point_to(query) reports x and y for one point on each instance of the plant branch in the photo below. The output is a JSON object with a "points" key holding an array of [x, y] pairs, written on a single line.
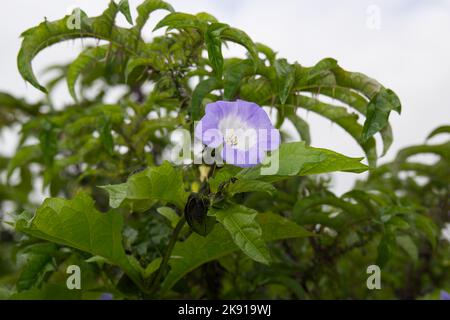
{"points": [[168, 253]]}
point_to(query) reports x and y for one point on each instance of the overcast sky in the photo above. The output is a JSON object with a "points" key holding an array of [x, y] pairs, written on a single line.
{"points": [[403, 44]]}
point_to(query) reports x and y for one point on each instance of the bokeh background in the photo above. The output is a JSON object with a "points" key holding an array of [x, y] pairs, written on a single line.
{"points": [[403, 44]]}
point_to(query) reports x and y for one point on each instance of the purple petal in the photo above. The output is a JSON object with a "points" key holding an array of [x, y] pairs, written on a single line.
{"points": [[445, 295], [106, 296], [206, 131]]}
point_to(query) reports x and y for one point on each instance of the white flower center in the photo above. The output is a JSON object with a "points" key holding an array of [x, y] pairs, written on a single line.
{"points": [[237, 133]]}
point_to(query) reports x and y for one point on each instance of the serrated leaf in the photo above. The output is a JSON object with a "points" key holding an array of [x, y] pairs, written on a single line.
{"points": [[77, 223], [84, 60], [246, 233], [285, 78], [146, 8], [197, 250], [378, 111], [340, 116], [47, 33], [163, 183]]}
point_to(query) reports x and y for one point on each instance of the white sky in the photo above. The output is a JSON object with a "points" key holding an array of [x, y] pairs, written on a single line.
{"points": [[408, 53]]}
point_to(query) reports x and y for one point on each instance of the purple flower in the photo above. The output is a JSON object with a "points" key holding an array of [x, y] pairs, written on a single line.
{"points": [[445, 295], [106, 296], [241, 130]]}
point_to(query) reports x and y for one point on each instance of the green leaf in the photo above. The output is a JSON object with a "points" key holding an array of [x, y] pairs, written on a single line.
{"points": [[146, 8], [124, 8], [151, 268], [200, 92], [163, 183], [134, 63], [428, 228], [106, 137], [47, 33], [340, 116], [246, 233], [76, 223], [439, 130], [49, 143], [302, 127], [214, 47], [387, 137], [24, 156], [197, 250], [49, 291], [233, 75], [378, 110], [170, 215], [241, 186], [285, 78], [178, 20], [407, 244], [295, 158], [86, 59], [33, 271], [267, 51], [385, 249], [240, 37], [305, 211]]}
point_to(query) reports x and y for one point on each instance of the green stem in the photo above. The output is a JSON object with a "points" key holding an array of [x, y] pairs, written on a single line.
{"points": [[167, 255]]}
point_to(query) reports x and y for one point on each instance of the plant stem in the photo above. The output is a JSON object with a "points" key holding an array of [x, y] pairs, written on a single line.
{"points": [[167, 254]]}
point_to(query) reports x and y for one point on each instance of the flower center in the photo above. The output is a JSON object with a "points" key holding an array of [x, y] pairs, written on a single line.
{"points": [[231, 138], [237, 133]]}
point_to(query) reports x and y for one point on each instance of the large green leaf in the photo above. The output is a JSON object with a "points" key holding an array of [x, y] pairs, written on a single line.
{"points": [[340, 115], [197, 250], [86, 58], [163, 183], [246, 233], [356, 90], [77, 223], [295, 158], [47, 33]]}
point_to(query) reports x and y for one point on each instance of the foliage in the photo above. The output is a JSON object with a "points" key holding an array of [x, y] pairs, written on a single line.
{"points": [[118, 208]]}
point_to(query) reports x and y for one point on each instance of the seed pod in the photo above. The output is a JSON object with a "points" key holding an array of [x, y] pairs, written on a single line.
{"points": [[196, 213]]}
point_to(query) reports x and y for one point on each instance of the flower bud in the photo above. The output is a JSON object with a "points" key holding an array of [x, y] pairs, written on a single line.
{"points": [[196, 213]]}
